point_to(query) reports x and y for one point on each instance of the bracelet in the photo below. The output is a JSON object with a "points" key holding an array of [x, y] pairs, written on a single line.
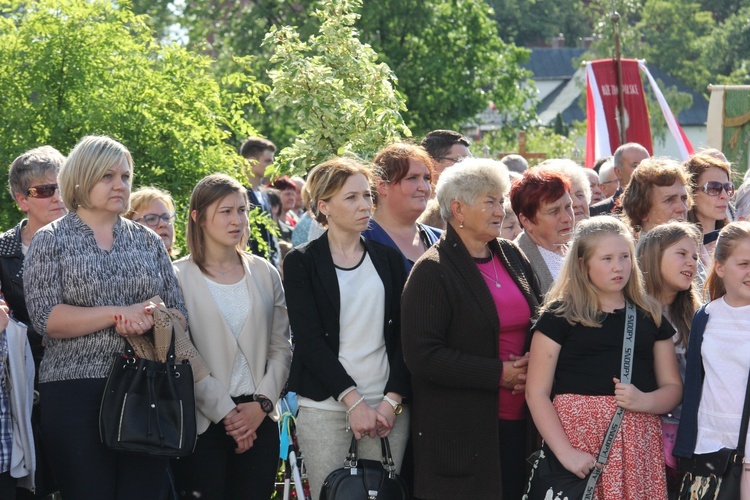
{"points": [[349, 411]]}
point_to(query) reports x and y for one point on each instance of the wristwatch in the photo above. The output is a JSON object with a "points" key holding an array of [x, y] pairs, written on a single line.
{"points": [[397, 407], [265, 404]]}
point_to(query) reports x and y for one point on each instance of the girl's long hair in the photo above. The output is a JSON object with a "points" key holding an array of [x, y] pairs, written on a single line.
{"points": [[729, 237], [650, 250], [574, 297]]}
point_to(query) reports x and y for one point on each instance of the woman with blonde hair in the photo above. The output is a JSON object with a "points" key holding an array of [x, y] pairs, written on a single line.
{"points": [[154, 208], [577, 351], [239, 324], [89, 280], [344, 296]]}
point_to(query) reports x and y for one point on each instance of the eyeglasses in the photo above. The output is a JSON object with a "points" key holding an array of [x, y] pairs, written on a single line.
{"points": [[607, 182], [42, 191], [713, 188], [153, 219], [454, 160]]}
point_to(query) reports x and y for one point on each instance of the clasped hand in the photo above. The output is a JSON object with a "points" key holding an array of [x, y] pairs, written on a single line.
{"points": [[514, 373], [242, 424], [135, 320]]}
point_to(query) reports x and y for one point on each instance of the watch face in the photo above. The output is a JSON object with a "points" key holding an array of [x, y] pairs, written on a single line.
{"points": [[266, 405], [398, 409]]}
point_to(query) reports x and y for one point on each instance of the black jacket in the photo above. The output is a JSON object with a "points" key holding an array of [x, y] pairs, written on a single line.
{"points": [[314, 304], [11, 282]]}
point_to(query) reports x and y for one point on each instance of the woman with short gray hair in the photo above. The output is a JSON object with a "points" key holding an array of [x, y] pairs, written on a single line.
{"points": [[466, 312], [33, 185]]}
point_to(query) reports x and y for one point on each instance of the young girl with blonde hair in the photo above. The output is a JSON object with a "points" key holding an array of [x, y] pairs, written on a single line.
{"points": [[578, 346], [718, 364]]}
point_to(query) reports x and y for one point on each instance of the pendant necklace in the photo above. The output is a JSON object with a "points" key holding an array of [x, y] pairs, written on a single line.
{"points": [[496, 280]]}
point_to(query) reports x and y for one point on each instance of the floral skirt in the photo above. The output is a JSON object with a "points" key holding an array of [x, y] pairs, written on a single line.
{"points": [[635, 468]]}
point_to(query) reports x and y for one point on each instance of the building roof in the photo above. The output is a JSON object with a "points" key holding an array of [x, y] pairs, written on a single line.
{"points": [[547, 64]]}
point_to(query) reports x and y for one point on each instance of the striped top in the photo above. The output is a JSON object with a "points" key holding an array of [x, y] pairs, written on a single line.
{"points": [[65, 265]]}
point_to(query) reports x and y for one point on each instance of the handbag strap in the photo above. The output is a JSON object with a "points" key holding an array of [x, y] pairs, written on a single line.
{"points": [[386, 456], [740, 455], [626, 367]]}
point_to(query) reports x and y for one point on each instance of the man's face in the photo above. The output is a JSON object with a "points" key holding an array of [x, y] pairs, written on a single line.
{"points": [[631, 158], [259, 163], [456, 153]]}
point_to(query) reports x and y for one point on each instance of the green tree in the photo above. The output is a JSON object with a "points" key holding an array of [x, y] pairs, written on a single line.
{"points": [[534, 22], [448, 59], [74, 67], [342, 99]]}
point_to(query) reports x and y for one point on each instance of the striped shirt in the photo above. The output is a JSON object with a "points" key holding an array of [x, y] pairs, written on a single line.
{"points": [[65, 265]]}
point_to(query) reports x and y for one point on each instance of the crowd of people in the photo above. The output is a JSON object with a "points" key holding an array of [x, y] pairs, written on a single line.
{"points": [[470, 310]]}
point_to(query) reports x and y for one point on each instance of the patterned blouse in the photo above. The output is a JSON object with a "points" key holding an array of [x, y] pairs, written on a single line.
{"points": [[64, 265]]}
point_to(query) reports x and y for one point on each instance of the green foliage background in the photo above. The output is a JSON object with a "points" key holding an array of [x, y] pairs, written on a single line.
{"points": [[69, 68]]}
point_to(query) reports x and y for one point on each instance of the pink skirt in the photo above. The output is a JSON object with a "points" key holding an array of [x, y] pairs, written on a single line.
{"points": [[635, 468]]}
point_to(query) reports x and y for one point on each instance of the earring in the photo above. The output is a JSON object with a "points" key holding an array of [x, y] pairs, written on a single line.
{"points": [[461, 226]]}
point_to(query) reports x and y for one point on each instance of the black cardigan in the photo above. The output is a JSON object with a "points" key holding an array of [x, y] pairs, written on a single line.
{"points": [[314, 305]]}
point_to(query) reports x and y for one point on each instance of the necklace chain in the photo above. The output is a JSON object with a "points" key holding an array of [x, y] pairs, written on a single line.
{"points": [[496, 279], [225, 272]]}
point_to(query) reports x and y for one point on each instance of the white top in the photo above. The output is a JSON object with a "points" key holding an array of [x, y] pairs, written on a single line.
{"points": [[233, 301], [553, 260], [726, 361], [361, 345]]}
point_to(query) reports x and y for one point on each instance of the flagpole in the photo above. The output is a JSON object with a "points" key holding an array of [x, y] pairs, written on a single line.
{"points": [[615, 18]]}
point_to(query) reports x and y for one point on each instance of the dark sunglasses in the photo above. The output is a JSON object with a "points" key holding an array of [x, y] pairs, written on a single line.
{"points": [[42, 191], [153, 219], [713, 188]]}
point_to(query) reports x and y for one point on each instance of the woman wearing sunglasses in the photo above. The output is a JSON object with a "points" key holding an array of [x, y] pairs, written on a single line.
{"points": [[712, 185], [154, 208], [33, 184]]}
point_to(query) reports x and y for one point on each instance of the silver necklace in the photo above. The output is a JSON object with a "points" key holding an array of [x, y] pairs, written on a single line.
{"points": [[227, 272], [496, 280]]}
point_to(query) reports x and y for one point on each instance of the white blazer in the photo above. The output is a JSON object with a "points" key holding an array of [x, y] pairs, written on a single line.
{"points": [[264, 340]]}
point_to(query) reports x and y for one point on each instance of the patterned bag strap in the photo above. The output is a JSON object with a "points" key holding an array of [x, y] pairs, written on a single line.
{"points": [[628, 348]]}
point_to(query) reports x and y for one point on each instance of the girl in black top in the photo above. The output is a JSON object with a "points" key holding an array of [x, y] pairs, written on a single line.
{"points": [[577, 348]]}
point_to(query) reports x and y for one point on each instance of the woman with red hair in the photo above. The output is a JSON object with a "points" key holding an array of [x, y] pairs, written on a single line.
{"points": [[541, 200]]}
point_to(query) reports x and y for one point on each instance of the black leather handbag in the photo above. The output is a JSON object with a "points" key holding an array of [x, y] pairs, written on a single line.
{"points": [[362, 479], [148, 406]]}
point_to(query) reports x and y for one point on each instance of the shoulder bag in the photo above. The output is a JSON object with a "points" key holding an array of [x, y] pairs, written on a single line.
{"points": [[717, 475], [548, 476], [362, 479], [148, 405]]}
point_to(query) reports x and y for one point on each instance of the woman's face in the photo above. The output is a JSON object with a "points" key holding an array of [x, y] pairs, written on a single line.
{"points": [[678, 265], [483, 220], [288, 200], [350, 209], [225, 221], [511, 226], [40, 209], [411, 194], [554, 223], [112, 192], [711, 208], [580, 203], [161, 219]]}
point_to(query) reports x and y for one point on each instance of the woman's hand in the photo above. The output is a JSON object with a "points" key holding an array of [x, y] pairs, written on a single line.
{"points": [[514, 373], [243, 444], [386, 411], [578, 462], [365, 421], [628, 396], [135, 320], [4, 318], [244, 421]]}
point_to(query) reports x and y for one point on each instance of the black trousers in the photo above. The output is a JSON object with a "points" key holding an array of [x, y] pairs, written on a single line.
{"points": [[216, 472], [513, 457], [83, 467]]}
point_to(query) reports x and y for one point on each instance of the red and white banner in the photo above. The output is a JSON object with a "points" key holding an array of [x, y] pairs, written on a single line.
{"points": [[602, 111]]}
